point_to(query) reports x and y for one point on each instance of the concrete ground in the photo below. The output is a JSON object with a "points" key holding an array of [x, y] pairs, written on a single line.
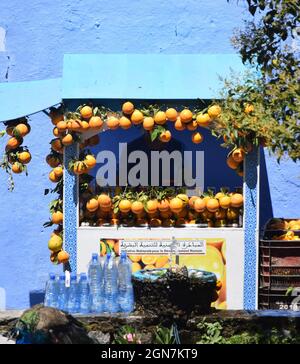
{"points": [[4, 340]]}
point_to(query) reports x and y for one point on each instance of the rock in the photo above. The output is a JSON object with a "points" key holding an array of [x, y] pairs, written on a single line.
{"points": [[99, 337]]}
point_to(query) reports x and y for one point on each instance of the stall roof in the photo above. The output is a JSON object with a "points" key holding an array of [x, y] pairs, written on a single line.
{"points": [[26, 98], [146, 76]]}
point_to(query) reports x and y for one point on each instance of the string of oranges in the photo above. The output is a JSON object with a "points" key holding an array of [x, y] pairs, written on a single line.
{"points": [[157, 209]]}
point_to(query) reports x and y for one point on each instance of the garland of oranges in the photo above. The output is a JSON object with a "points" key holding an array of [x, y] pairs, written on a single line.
{"points": [[160, 207], [16, 157]]}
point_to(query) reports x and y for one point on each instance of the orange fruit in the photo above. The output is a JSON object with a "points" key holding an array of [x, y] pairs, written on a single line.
{"points": [[53, 177], [95, 122], [199, 204], [179, 125], [55, 243], [110, 243], [184, 198], [61, 125], [92, 205], [203, 120], [214, 111], [160, 118], [148, 123], [218, 285], [212, 205], [17, 168], [104, 201], [24, 157], [163, 205], [84, 125], [249, 108], [128, 108], [125, 206], [125, 123], [161, 261], [57, 217], [231, 162], [135, 267], [216, 243], [225, 202], [74, 125], [94, 140], [165, 136], [79, 168], [10, 130], [13, 143], [197, 138], [22, 129], [182, 213], [186, 116], [149, 259], [57, 145], [112, 122], [149, 267], [151, 206], [67, 140], [219, 195], [137, 117], [58, 171], [135, 258], [90, 161], [238, 155], [137, 207], [86, 112], [237, 200], [176, 205], [56, 132], [63, 257], [171, 114], [192, 126], [192, 199]]}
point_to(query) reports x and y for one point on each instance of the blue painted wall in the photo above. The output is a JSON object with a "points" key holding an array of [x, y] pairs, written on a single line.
{"points": [[34, 36]]}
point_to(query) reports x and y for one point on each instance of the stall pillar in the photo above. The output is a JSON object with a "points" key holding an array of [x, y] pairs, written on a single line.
{"points": [[70, 207], [251, 221]]}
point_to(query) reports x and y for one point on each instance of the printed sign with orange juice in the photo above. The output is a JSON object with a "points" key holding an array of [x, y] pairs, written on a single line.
{"points": [[207, 254]]}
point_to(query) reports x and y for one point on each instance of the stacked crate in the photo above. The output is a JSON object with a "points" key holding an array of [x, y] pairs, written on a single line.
{"points": [[279, 278]]}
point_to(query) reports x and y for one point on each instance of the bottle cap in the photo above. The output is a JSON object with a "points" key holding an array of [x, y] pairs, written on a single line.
{"points": [[52, 275], [123, 254], [94, 256], [108, 255], [62, 277], [83, 276]]}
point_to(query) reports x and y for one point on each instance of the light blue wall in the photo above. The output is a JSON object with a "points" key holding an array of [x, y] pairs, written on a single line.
{"points": [[38, 33]]}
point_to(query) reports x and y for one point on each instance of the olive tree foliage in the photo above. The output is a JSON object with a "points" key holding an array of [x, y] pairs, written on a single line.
{"points": [[267, 44]]}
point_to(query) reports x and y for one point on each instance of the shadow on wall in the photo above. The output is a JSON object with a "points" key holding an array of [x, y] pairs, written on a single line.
{"points": [[265, 203], [36, 297]]}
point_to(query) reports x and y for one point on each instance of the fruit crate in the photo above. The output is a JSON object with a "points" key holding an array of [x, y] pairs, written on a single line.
{"points": [[277, 299], [279, 263]]}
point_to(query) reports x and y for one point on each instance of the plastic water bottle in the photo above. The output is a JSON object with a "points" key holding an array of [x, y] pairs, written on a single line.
{"points": [[110, 281], [51, 292], [72, 304], [62, 293], [84, 294], [95, 281], [126, 297]]}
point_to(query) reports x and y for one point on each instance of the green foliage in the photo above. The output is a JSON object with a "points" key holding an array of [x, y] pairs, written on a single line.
{"points": [[266, 43], [164, 335], [211, 333]]}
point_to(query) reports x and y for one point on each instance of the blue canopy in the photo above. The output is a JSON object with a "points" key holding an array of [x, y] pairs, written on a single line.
{"points": [[121, 76], [146, 76], [25, 98]]}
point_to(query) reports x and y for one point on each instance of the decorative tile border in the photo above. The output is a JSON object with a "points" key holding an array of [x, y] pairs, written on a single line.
{"points": [[70, 207], [251, 218]]}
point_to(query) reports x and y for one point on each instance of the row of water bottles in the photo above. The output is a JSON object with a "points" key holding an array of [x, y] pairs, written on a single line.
{"points": [[107, 288]]}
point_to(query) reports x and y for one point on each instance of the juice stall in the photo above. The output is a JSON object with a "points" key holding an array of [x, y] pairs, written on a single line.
{"points": [[188, 236]]}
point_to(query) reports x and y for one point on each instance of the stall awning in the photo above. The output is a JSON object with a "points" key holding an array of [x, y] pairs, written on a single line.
{"points": [[25, 98], [146, 76]]}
